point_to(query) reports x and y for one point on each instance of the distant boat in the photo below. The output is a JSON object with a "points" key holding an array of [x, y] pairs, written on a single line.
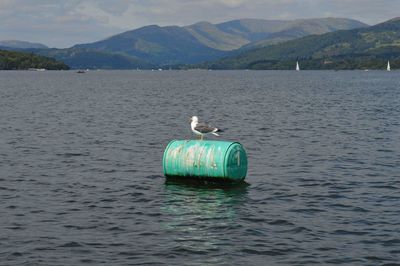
{"points": [[388, 66], [297, 66], [81, 71]]}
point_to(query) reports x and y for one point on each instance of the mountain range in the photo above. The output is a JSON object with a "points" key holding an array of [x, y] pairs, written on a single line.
{"points": [[15, 44], [154, 46], [367, 47]]}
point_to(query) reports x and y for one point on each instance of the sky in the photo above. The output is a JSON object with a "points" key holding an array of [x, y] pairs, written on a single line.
{"points": [[63, 23]]}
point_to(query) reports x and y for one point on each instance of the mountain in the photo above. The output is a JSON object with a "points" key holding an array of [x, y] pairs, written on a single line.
{"points": [[214, 37], [81, 58], [22, 45], [158, 45], [260, 32], [357, 48], [11, 60], [204, 41], [154, 46]]}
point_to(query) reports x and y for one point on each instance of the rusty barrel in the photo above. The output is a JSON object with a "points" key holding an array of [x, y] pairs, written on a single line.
{"points": [[205, 159]]}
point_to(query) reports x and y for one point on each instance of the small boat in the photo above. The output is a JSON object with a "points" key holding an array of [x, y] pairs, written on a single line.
{"points": [[297, 66], [388, 66], [81, 71]]}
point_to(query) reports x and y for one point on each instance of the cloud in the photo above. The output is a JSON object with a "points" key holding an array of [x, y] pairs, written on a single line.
{"points": [[64, 23], [54, 23], [117, 8]]}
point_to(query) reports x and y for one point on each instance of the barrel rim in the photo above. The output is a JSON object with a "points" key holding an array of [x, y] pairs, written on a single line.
{"points": [[227, 155]]}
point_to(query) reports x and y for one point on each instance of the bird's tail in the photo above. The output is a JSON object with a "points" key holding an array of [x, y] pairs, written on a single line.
{"points": [[216, 130]]}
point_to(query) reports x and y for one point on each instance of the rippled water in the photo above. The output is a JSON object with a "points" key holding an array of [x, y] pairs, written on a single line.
{"points": [[81, 178]]}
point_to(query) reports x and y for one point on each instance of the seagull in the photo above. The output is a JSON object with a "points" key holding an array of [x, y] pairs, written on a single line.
{"points": [[201, 129]]}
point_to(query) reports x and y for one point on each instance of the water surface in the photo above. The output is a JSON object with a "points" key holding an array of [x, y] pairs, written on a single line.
{"points": [[81, 177]]}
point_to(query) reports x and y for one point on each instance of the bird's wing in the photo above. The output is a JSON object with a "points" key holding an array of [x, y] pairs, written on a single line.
{"points": [[204, 128]]}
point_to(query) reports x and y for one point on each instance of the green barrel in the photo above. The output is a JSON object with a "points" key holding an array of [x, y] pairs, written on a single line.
{"points": [[205, 158]]}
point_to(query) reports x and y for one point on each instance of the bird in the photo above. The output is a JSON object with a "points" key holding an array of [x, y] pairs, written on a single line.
{"points": [[201, 129]]}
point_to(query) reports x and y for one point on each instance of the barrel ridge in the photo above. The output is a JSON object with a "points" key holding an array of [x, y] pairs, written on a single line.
{"points": [[165, 154]]}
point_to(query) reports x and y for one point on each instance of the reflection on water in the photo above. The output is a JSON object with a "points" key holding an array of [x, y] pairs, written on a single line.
{"points": [[201, 213]]}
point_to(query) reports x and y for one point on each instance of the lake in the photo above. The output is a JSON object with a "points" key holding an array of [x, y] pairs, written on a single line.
{"points": [[81, 177]]}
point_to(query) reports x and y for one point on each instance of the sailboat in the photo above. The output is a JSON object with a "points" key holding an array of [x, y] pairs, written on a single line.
{"points": [[297, 66], [388, 66]]}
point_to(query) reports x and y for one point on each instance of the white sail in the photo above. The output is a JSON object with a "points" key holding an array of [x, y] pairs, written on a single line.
{"points": [[388, 66], [297, 66]]}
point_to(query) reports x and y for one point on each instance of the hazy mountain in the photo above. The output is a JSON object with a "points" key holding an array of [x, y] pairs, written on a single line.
{"points": [[357, 48], [205, 41], [259, 32], [158, 45], [22, 44], [212, 36], [154, 46]]}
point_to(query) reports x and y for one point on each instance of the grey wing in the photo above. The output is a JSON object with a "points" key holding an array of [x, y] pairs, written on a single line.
{"points": [[204, 128]]}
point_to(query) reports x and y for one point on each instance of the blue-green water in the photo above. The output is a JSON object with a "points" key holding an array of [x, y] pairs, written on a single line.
{"points": [[81, 168]]}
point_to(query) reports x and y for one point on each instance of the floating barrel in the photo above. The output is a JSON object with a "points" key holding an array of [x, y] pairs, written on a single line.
{"points": [[205, 159]]}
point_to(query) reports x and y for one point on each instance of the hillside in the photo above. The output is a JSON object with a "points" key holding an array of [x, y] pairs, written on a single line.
{"points": [[154, 46], [205, 41], [253, 33], [81, 58], [10, 60], [347, 49], [22, 45], [158, 45]]}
